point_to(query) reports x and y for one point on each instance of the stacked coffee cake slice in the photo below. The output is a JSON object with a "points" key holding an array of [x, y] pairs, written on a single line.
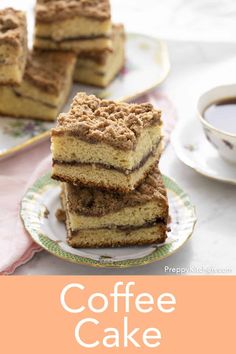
{"points": [[85, 28], [74, 40], [33, 84], [106, 154], [74, 25]]}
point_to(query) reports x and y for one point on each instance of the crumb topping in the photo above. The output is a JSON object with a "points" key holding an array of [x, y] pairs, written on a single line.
{"points": [[115, 123], [55, 10], [49, 70], [95, 202], [12, 27]]}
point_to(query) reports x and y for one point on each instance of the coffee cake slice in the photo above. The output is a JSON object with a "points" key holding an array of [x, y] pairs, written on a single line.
{"points": [[99, 68], [106, 144], [96, 218], [46, 84], [73, 25], [13, 46]]}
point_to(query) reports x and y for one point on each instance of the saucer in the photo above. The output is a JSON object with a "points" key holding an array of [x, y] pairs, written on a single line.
{"points": [[193, 149]]}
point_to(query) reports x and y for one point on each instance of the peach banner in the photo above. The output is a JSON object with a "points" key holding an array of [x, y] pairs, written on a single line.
{"points": [[145, 314]]}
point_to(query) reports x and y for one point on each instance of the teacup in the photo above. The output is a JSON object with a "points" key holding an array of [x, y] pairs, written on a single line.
{"points": [[223, 141]]}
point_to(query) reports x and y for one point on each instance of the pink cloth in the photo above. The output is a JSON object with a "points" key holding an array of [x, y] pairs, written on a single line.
{"points": [[18, 172]]}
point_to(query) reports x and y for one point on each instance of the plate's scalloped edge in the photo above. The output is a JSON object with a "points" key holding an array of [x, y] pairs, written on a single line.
{"points": [[30, 221], [166, 69]]}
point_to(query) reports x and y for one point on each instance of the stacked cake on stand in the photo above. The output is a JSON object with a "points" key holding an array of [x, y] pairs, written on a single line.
{"points": [[33, 84], [106, 155], [74, 40], [85, 28]]}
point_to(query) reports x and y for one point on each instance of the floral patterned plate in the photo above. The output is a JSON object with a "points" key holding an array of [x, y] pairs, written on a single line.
{"points": [[147, 65], [38, 208], [193, 149]]}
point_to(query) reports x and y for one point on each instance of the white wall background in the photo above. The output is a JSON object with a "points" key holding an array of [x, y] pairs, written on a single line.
{"points": [[205, 20]]}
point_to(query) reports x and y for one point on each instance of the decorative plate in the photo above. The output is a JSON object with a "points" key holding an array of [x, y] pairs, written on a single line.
{"points": [[193, 149], [147, 65], [38, 208]]}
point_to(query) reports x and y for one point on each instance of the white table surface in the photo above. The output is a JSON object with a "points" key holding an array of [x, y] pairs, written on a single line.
{"points": [[206, 59]]}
